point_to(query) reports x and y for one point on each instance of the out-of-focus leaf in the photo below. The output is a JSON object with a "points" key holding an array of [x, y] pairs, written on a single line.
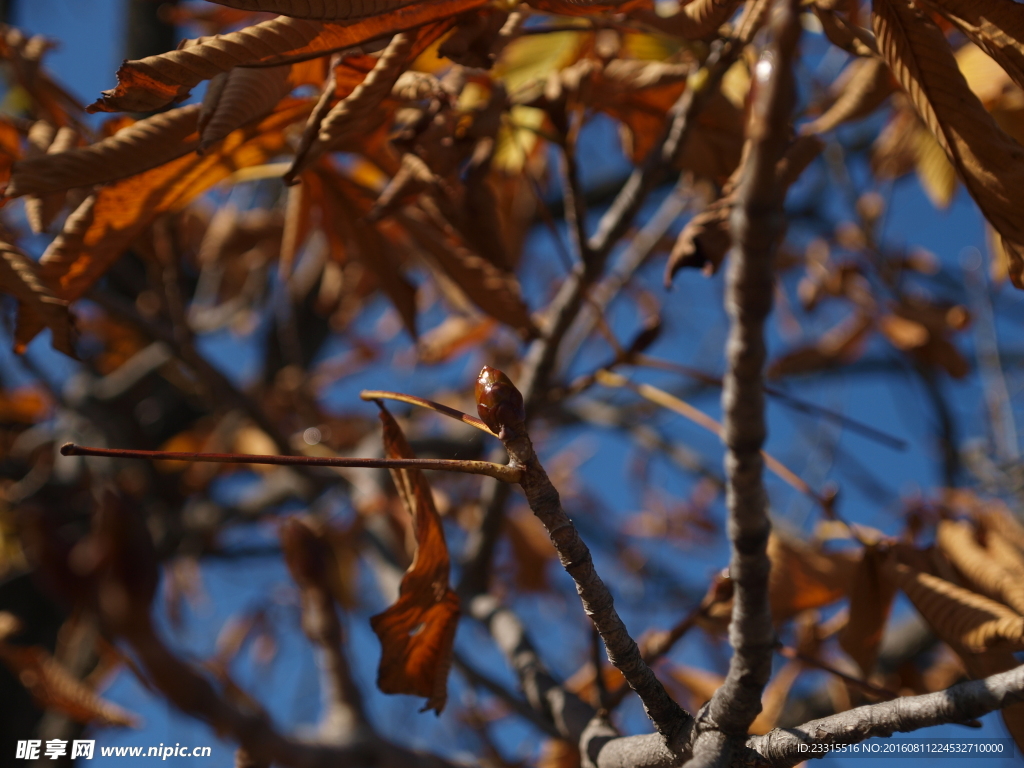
{"points": [[96, 235], [25, 405], [693, 20], [531, 551], [936, 174], [861, 88], [957, 541], [698, 684], [842, 343], [964, 619], [988, 161], [452, 337], [41, 211], [773, 701], [871, 597], [494, 290], [417, 633], [19, 276], [153, 82], [54, 688], [805, 577]]}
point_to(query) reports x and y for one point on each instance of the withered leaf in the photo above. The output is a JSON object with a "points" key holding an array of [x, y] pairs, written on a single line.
{"points": [[19, 276], [871, 597], [139, 147], [42, 210], [494, 290], [153, 82], [773, 701], [417, 633], [995, 26], [805, 577], [694, 20], [964, 619], [106, 223], [53, 687], [956, 540], [238, 96], [705, 240], [989, 162], [861, 88], [842, 343]]}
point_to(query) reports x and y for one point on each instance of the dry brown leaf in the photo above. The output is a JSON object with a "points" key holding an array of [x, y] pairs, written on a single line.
{"points": [[54, 688], [19, 276], [238, 96], [531, 551], [964, 619], [121, 211], [805, 577], [699, 684], [871, 597], [842, 343], [153, 82], [956, 540], [861, 88], [453, 336], [989, 162], [558, 753], [694, 20], [773, 701], [345, 206], [844, 34], [417, 633], [494, 290], [139, 147], [995, 26], [356, 114], [41, 211]]}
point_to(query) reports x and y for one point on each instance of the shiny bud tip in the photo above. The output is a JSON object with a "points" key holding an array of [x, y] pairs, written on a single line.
{"points": [[498, 401]]}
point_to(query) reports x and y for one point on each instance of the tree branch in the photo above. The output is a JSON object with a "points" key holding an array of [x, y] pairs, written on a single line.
{"points": [[757, 225], [962, 702]]}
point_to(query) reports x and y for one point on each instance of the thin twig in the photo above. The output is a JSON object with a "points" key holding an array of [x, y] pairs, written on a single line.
{"points": [[668, 717], [465, 418], [508, 474]]}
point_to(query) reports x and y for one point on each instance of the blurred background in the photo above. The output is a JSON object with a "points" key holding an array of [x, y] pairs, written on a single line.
{"points": [[882, 413]]}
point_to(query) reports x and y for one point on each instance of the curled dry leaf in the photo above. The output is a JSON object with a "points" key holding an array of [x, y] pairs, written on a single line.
{"points": [[995, 26], [989, 162], [417, 633], [154, 82], [38, 306], [356, 113], [957, 541], [238, 96], [804, 577], [53, 687], [964, 619], [137, 148], [96, 235], [41, 211]]}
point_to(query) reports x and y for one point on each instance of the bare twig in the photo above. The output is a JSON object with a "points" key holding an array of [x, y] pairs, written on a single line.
{"points": [[501, 472], [505, 406]]}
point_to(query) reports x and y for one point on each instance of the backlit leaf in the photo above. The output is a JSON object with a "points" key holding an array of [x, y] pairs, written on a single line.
{"points": [[417, 633]]}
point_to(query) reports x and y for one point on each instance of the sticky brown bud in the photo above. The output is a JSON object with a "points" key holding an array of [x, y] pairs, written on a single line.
{"points": [[498, 401]]}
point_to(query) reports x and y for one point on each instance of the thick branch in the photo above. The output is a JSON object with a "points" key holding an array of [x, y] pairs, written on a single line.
{"points": [[958, 704], [757, 225]]}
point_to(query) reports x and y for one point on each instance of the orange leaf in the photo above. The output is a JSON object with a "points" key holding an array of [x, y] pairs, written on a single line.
{"points": [[417, 633], [804, 577], [871, 598], [155, 81]]}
